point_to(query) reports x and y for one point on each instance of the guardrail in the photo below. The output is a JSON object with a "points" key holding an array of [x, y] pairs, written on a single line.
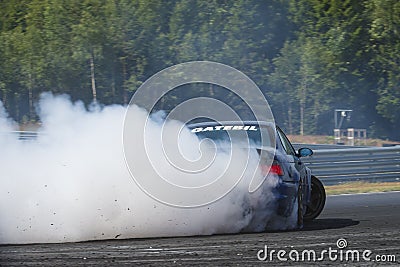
{"points": [[324, 146], [373, 164], [335, 164], [23, 135]]}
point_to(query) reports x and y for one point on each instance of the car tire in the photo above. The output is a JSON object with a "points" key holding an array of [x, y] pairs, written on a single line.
{"points": [[318, 199]]}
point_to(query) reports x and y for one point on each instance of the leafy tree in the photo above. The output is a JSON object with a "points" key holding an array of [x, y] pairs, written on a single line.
{"points": [[385, 33], [308, 56]]}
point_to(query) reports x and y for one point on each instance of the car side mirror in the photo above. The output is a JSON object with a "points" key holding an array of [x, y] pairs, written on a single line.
{"points": [[304, 152]]}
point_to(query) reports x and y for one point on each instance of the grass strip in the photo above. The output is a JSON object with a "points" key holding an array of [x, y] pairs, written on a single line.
{"points": [[361, 187]]}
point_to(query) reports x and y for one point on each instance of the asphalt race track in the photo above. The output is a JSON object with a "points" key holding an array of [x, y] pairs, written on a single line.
{"points": [[365, 221]]}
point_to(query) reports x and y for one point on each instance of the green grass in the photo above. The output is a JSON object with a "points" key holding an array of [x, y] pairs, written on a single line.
{"points": [[361, 187]]}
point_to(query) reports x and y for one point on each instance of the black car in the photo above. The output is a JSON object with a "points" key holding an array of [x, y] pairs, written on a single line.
{"points": [[297, 187]]}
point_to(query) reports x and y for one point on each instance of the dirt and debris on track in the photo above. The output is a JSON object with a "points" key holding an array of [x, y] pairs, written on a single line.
{"points": [[364, 221]]}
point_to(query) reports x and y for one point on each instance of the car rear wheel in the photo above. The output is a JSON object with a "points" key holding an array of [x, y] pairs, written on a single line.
{"points": [[318, 198]]}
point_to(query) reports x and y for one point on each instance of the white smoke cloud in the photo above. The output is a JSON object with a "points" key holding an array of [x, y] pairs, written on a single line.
{"points": [[72, 183]]}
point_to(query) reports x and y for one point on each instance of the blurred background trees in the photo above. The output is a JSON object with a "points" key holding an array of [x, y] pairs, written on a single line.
{"points": [[308, 57]]}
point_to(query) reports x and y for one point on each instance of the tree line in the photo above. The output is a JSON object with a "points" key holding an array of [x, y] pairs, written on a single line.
{"points": [[308, 57]]}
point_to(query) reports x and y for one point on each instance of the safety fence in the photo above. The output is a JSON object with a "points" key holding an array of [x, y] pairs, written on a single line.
{"points": [[335, 164], [22, 135], [373, 164]]}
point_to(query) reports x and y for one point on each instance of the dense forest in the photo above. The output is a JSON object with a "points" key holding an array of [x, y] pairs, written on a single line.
{"points": [[308, 56]]}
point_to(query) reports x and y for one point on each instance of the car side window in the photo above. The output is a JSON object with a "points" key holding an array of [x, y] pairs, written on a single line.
{"points": [[286, 143]]}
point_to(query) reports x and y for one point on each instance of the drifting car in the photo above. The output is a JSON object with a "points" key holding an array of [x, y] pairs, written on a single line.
{"points": [[297, 187]]}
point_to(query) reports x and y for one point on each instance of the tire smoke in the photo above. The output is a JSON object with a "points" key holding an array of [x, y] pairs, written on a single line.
{"points": [[72, 183]]}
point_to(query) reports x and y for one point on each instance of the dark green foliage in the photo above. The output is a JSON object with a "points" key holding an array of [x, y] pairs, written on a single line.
{"points": [[308, 56]]}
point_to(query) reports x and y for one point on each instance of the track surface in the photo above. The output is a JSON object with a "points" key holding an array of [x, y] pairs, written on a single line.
{"points": [[366, 221]]}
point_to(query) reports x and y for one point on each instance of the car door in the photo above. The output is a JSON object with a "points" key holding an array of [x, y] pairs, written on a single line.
{"points": [[291, 153], [305, 175]]}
